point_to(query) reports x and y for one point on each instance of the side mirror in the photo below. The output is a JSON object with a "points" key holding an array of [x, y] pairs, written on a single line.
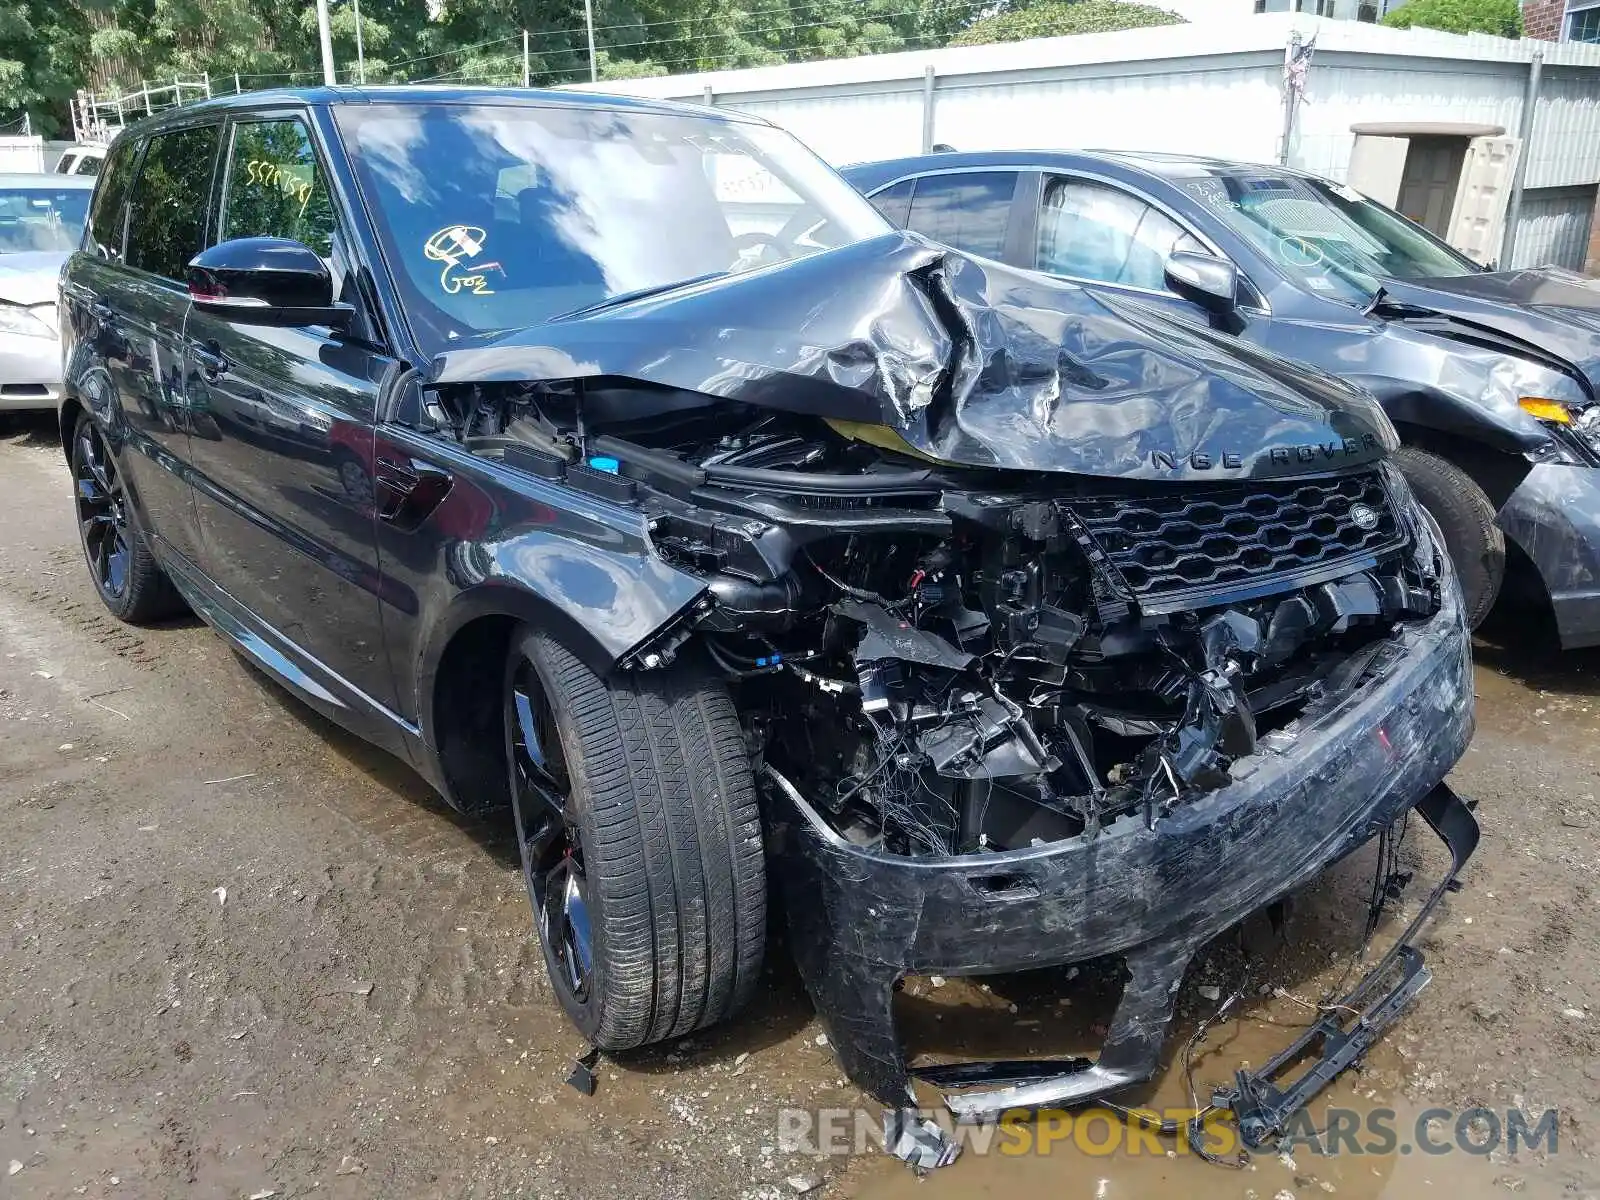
{"points": [[265, 281], [1212, 283]]}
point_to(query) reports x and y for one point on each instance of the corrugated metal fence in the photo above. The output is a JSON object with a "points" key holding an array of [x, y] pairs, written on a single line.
{"points": [[1554, 229], [1210, 88]]}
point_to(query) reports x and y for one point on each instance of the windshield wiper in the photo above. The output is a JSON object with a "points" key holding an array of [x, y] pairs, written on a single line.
{"points": [[639, 294]]}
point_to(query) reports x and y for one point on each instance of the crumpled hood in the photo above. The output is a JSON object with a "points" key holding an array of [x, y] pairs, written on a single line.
{"points": [[30, 276], [968, 361], [1557, 312]]}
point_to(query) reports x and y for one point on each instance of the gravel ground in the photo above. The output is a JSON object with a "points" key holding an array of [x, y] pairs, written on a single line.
{"points": [[246, 955]]}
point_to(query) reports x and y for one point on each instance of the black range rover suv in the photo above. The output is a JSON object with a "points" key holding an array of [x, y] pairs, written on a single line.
{"points": [[617, 465]]}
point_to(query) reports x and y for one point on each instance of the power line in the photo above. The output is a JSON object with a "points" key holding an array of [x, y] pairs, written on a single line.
{"points": [[712, 16], [405, 62], [739, 33], [944, 6], [459, 72], [268, 75], [751, 33]]}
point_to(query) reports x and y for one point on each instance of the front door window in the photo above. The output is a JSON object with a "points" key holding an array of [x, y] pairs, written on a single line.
{"points": [[275, 187], [1101, 233]]}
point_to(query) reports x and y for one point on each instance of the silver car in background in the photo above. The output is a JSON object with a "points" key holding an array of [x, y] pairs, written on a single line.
{"points": [[41, 222]]}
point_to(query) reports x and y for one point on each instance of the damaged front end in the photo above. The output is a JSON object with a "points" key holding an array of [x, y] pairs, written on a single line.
{"points": [[1075, 724], [1045, 651]]}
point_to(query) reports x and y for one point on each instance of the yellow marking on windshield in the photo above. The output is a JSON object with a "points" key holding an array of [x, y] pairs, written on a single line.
{"points": [[457, 244]]}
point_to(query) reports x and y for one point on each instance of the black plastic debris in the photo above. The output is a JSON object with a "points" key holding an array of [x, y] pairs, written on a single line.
{"points": [[582, 1076]]}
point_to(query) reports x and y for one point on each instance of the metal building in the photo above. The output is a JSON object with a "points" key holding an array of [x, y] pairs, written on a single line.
{"points": [[1438, 124]]}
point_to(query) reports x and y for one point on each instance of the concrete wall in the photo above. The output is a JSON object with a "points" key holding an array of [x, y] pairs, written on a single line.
{"points": [[21, 153]]}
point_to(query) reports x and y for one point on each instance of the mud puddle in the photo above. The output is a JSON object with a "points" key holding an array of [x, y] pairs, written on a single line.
{"points": [[1365, 1136], [1389, 1149]]}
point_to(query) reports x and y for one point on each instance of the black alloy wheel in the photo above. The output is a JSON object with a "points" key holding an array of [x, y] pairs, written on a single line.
{"points": [[552, 850], [102, 515], [640, 837]]}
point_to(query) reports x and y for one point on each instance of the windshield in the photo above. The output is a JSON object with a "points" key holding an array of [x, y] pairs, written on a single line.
{"points": [[42, 218], [1327, 237], [495, 217]]}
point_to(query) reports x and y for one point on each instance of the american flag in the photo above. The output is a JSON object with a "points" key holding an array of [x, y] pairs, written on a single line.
{"points": [[1296, 63]]}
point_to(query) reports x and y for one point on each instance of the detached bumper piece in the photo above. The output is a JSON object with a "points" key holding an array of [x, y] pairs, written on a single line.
{"points": [[1260, 1105], [1263, 1107]]}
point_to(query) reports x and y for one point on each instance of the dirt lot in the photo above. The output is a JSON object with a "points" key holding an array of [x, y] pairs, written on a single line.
{"points": [[247, 956]]}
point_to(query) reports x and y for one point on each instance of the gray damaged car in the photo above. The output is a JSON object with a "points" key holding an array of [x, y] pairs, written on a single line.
{"points": [[1490, 377]]}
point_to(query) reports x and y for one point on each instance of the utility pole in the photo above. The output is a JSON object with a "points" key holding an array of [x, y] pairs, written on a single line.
{"points": [[361, 58], [588, 21], [525, 75], [1530, 108], [325, 36], [1296, 66]]}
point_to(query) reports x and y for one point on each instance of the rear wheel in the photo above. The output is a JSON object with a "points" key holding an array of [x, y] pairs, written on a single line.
{"points": [[1466, 517], [125, 572], [636, 814]]}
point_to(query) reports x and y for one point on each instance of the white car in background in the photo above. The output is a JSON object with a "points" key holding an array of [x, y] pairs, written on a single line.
{"points": [[41, 222], [81, 160]]}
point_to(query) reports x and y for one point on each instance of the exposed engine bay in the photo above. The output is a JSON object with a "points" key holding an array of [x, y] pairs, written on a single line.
{"points": [[945, 660]]}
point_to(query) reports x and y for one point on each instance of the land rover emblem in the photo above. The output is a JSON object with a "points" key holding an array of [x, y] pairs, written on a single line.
{"points": [[1364, 516]]}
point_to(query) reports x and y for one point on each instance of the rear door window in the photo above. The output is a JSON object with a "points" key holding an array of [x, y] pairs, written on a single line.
{"points": [[167, 221], [969, 210], [275, 186]]}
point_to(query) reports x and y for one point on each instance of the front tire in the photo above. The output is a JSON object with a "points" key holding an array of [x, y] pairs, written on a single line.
{"points": [[1466, 517], [640, 835], [131, 583]]}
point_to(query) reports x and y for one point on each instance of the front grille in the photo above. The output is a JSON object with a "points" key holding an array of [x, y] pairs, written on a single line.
{"points": [[1228, 537]]}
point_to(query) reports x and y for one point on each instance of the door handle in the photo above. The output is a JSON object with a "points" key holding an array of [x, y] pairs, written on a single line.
{"points": [[212, 362], [102, 310]]}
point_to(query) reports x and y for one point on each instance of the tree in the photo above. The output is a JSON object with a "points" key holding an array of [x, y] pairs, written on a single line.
{"points": [[1056, 18], [1500, 17], [789, 30], [42, 44], [51, 48]]}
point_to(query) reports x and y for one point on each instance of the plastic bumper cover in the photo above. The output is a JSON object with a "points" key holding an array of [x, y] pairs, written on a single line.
{"points": [[30, 372], [1554, 516], [1314, 792]]}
